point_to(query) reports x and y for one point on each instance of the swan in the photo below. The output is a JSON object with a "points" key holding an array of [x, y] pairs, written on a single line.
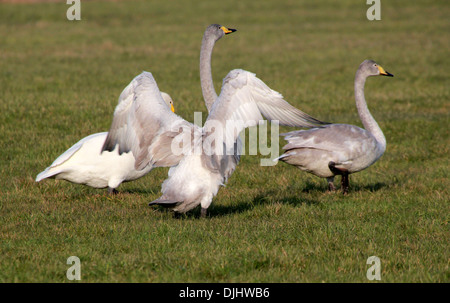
{"points": [[198, 165], [340, 149], [83, 163]]}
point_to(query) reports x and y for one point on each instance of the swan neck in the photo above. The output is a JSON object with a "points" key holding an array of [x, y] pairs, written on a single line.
{"points": [[363, 111], [208, 91]]}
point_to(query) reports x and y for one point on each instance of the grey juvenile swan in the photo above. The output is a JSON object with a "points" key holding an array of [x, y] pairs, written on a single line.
{"points": [[153, 134], [340, 149], [149, 131]]}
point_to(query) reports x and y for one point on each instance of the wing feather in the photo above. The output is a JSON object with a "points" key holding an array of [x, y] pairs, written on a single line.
{"points": [[333, 137], [245, 99], [144, 124]]}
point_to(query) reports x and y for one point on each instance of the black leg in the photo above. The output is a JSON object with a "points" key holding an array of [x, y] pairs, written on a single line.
{"points": [[330, 181], [332, 167], [177, 215], [203, 213], [343, 173], [344, 183], [112, 191]]}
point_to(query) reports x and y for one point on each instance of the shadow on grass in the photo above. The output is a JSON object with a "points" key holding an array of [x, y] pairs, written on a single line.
{"points": [[369, 187], [311, 187], [297, 200], [147, 191], [217, 210], [267, 198]]}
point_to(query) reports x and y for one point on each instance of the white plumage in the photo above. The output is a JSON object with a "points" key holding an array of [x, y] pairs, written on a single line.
{"points": [[85, 163]]}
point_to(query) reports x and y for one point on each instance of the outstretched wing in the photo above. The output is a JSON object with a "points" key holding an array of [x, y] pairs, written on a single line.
{"points": [[245, 99], [144, 124]]}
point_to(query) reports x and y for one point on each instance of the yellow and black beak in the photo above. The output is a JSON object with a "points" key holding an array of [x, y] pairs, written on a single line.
{"points": [[172, 108], [227, 30], [383, 72]]}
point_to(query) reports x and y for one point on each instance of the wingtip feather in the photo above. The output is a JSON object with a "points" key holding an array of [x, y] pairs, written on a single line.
{"points": [[164, 202]]}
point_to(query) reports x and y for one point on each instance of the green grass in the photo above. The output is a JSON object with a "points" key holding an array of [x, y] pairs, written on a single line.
{"points": [[60, 82]]}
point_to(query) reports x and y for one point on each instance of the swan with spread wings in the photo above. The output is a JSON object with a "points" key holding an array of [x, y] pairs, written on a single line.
{"points": [[198, 165]]}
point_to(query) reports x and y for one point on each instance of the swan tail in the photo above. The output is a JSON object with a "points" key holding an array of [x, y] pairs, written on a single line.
{"points": [[47, 173], [280, 157]]}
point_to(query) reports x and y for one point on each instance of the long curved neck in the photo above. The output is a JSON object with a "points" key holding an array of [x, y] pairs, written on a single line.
{"points": [[366, 118], [208, 91]]}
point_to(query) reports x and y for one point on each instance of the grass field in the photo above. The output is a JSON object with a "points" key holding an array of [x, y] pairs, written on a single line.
{"points": [[60, 81]]}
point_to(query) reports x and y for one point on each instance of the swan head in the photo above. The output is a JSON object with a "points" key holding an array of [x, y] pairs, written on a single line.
{"points": [[371, 68], [168, 100], [217, 31]]}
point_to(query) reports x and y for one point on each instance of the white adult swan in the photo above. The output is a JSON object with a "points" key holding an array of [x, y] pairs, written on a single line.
{"points": [[84, 163], [151, 134], [340, 149]]}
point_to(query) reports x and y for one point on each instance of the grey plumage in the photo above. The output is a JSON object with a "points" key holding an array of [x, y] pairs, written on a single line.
{"points": [[339, 149], [243, 101], [142, 101], [152, 133], [212, 34]]}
